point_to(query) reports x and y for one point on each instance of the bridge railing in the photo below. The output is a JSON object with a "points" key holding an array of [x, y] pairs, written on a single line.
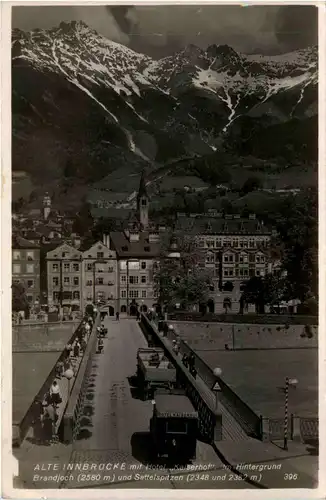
{"points": [[70, 425], [210, 419], [21, 428]]}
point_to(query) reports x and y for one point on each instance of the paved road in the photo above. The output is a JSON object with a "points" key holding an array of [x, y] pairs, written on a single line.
{"points": [[116, 429]]}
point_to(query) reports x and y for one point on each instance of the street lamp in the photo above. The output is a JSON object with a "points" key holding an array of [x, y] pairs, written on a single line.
{"points": [[216, 387], [289, 382], [68, 374]]}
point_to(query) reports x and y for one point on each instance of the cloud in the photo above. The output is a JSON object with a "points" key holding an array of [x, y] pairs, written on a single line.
{"points": [[161, 30]]}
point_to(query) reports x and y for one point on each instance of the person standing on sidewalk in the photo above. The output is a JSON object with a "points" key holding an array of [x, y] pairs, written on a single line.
{"points": [[117, 315], [49, 424]]}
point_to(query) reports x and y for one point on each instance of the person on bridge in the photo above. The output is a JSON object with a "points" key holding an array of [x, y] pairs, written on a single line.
{"points": [[138, 315], [100, 345], [55, 394], [50, 418], [38, 413], [76, 349], [175, 347]]}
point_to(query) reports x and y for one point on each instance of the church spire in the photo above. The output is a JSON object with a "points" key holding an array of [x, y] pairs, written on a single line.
{"points": [[142, 202]]}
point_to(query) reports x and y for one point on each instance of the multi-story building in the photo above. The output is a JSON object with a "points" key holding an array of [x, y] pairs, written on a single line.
{"points": [[137, 251], [64, 278], [233, 250], [100, 282], [26, 267]]}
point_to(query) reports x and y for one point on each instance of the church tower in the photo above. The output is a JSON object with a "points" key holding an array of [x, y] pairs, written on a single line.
{"points": [[46, 206], [143, 203]]}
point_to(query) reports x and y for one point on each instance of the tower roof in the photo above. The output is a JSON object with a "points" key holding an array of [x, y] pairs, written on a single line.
{"points": [[142, 191]]}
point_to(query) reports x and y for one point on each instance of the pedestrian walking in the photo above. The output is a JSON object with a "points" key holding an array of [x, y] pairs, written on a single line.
{"points": [[83, 346], [117, 315], [55, 394], [138, 315], [185, 360], [59, 369], [175, 347], [76, 349]]}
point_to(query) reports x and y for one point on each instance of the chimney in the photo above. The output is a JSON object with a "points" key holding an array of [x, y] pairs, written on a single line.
{"points": [[106, 240]]}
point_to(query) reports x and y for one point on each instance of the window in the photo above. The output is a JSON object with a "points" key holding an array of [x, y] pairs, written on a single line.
{"points": [[123, 294], [252, 242], [66, 267], [133, 294], [227, 243], [228, 258], [29, 298], [56, 296], [30, 283], [75, 267], [100, 255], [257, 273], [16, 268], [143, 265], [76, 281], [99, 281], [64, 254], [210, 243], [123, 265], [110, 269], [55, 281], [144, 202], [89, 266], [66, 280], [100, 295], [30, 255], [236, 242], [16, 255], [209, 258], [219, 242], [260, 259], [89, 283], [133, 280], [143, 279], [123, 278], [76, 295], [30, 268], [243, 259], [201, 243], [55, 267], [143, 294]]}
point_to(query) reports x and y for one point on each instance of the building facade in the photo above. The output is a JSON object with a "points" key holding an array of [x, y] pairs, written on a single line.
{"points": [[100, 277], [26, 267], [232, 250], [64, 278]]}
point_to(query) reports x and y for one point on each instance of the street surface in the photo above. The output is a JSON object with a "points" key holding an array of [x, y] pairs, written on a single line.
{"points": [[112, 448]]}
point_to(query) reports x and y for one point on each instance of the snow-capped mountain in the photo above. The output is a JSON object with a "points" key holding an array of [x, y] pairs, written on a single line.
{"points": [[97, 104]]}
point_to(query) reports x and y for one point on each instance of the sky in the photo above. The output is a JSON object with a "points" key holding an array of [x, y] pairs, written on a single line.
{"points": [[159, 31]]}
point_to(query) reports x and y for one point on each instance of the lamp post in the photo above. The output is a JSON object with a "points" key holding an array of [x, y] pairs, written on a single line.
{"points": [[216, 387], [68, 374], [289, 382]]}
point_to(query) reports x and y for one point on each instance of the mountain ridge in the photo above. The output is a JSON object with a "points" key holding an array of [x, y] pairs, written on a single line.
{"points": [[100, 105]]}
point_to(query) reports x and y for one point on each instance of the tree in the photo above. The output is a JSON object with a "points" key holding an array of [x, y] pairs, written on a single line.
{"points": [[298, 233], [254, 293], [19, 298], [251, 184], [269, 290], [181, 280]]}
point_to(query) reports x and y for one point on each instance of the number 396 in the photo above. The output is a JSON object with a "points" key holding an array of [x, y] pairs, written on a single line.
{"points": [[290, 477]]}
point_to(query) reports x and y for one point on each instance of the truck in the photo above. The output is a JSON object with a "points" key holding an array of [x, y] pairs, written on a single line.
{"points": [[154, 370], [173, 427]]}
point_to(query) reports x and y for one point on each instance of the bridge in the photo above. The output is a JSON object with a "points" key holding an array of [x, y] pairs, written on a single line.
{"points": [[104, 421]]}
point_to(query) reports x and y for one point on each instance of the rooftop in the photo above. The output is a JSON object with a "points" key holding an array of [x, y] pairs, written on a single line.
{"points": [[19, 242], [142, 248], [170, 403], [208, 224]]}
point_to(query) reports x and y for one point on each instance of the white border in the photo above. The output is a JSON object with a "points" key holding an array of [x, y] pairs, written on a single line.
{"points": [[8, 465]]}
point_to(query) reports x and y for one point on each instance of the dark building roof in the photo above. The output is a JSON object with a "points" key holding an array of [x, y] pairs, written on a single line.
{"points": [[138, 249], [21, 243], [211, 225]]}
